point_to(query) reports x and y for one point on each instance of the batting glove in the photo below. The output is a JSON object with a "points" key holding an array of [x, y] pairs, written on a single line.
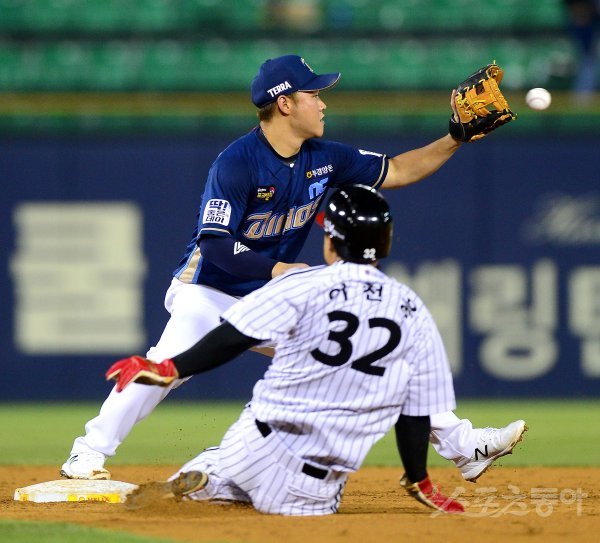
{"points": [[430, 495], [141, 370]]}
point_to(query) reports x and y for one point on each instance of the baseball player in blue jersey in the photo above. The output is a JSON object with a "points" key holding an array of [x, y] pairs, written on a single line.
{"points": [[259, 202], [351, 363]]}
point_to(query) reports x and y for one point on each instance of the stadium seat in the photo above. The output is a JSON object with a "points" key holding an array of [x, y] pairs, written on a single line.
{"points": [[408, 66], [166, 65], [116, 66]]}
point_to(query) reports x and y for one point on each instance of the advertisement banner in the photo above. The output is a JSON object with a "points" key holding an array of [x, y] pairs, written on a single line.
{"points": [[502, 243]]}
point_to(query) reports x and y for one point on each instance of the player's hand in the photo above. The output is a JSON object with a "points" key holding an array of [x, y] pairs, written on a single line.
{"points": [[430, 495], [141, 370], [282, 267], [453, 106]]}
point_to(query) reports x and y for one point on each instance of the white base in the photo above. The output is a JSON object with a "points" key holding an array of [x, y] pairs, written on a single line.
{"points": [[75, 490]]}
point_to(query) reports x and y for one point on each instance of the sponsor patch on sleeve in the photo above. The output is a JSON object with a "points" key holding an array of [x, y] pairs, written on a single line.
{"points": [[217, 211]]}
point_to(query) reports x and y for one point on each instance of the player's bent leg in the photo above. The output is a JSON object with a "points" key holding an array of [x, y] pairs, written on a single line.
{"points": [[451, 437], [218, 487], [104, 433], [194, 312], [473, 450], [277, 481]]}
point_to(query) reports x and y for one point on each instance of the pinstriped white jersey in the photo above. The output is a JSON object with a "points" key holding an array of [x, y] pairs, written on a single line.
{"points": [[355, 349]]}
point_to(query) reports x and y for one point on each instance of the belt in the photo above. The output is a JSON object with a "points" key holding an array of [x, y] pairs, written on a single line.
{"points": [[307, 469]]}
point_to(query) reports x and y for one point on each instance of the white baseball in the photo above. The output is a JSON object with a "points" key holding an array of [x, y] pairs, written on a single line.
{"points": [[538, 98]]}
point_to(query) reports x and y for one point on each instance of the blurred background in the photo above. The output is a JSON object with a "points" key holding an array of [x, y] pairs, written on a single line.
{"points": [[111, 112]]}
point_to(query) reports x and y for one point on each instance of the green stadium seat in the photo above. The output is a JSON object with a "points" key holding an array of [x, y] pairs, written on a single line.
{"points": [[211, 64], [65, 66], [166, 65], [116, 66], [202, 14], [363, 64], [11, 68], [548, 14], [11, 15], [452, 61], [214, 65], [155, 15], [102, 16], [247, 58], [512, 56], [42, 15], [551, 62], [408, 65], [247, 14], [407, 16], [351, 14]]}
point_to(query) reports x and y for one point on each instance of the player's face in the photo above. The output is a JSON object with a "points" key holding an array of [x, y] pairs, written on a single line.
{"points": [[308, 114]]}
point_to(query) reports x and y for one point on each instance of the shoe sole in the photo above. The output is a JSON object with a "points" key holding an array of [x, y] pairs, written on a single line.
{"points": [[95, 476], [505, 452]]}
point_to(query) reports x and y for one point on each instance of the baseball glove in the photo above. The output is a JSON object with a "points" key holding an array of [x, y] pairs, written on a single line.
{"points": [[141, 370], [480, 105]]}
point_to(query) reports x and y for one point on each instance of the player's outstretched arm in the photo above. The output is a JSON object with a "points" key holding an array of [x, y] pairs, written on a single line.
{"points": [[412, 439], [417, 164], [237, 259], [219, 346]]}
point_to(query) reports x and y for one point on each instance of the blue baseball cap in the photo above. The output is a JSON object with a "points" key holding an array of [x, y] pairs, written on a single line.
{"points": [[285, 75]]}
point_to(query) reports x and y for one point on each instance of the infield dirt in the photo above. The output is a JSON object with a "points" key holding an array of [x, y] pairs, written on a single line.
{"points": [[507, 504]]}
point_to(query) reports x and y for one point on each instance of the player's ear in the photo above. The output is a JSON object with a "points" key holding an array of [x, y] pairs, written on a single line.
{"points": [[284, 103]]}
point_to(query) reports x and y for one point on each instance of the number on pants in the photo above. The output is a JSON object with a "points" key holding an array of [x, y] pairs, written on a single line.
{"points": [[342, 337]]}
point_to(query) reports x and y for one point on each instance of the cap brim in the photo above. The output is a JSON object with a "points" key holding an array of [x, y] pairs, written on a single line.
{"points": [[321, 82]]}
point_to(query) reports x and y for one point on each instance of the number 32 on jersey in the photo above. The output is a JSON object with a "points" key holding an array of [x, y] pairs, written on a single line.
{"points": [[366, 363]]}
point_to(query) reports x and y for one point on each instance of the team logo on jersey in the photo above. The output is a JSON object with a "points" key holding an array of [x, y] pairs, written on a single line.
{"points": [[268, 224], [408, 307], [265, 193], [217, 211], [317, 188]]}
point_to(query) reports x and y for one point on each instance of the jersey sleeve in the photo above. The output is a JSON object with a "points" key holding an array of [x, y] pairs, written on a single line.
{"points": [[225, 196], [271, 312], [430, 389], [357, 166]]}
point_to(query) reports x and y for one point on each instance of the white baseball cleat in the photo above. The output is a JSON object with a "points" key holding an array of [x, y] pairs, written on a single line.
{"points": [[492, 443], [85, 465]]}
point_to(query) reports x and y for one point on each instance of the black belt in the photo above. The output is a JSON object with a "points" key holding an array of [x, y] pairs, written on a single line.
{"points": [[307, 469]]}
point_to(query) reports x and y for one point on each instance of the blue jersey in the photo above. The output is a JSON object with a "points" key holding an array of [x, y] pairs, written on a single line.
{"points": [[268, 205]]}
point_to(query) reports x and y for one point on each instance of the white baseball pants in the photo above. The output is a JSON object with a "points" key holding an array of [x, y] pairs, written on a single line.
{"points": [[195, 311], [250, 466]]}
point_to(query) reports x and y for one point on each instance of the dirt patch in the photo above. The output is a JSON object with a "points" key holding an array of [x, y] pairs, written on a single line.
{"points": [[507, 504]]}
